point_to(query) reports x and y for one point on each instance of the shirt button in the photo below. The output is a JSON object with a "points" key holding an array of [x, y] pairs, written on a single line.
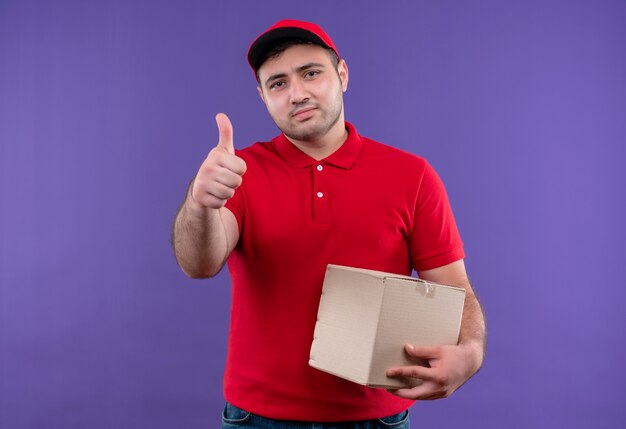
{"points": [[320, 168], [320, 194]]}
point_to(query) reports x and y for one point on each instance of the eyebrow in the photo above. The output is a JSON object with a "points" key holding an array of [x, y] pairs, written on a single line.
{"points": [[299, 69]]}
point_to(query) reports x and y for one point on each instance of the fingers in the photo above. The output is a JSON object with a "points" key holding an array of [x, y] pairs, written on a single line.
{"points": [[229, 161], [422, 371], [218, 178], [213, 195], [423, 352], [410, 372], [434, 385], [424, 392], [212, 187], [221, 175], [226, 133]]}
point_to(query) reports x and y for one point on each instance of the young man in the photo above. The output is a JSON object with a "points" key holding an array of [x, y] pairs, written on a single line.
{"points": [[279, 212]]}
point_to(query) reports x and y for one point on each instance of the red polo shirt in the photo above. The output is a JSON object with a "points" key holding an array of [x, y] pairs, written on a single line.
{"points": [[367, 205]]}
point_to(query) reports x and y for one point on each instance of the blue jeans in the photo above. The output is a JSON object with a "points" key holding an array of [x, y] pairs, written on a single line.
{"points": [[233, 418]]}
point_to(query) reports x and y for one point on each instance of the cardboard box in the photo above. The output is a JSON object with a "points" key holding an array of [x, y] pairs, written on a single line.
{"points": [[365, 317]]}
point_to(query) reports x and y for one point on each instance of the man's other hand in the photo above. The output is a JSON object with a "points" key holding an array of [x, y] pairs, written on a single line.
{"points": [[221, 172]]}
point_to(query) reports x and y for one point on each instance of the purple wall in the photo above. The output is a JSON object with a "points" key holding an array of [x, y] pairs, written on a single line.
{"points": [[106, 111]]}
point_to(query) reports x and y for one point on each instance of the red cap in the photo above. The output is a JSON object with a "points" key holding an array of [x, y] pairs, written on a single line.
{"points": [[285, 29]]}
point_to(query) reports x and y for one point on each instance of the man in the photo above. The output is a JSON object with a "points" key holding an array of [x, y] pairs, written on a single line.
{"points": [[280, 211]]}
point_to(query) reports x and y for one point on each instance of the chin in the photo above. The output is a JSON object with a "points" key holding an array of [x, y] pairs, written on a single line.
{"points": [[306, 132]]}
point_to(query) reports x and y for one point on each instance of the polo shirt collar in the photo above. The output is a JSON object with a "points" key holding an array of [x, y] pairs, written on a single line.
{"points": [[344, 157]]}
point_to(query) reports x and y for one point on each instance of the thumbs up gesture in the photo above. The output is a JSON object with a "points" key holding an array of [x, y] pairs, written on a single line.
{"points": [[221, 172]]}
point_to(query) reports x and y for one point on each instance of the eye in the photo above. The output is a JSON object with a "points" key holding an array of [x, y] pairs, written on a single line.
{"points": [[311, 73], [278, 84]]}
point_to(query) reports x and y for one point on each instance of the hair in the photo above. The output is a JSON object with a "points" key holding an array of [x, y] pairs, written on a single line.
{"points": [[282, 46]]}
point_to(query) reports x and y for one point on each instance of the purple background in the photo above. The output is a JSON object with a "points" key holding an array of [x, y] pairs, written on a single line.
{"points": [[106, 112]]}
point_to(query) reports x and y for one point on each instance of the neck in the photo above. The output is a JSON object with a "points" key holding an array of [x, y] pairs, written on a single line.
{"points": [[327, 144]]}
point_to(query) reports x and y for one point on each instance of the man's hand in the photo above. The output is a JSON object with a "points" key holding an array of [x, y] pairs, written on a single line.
{"points": [[450, 367], [221, 172]]}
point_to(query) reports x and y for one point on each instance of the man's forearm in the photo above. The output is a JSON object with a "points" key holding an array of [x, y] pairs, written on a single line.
{"points": [[199, 239], [473, 330]]}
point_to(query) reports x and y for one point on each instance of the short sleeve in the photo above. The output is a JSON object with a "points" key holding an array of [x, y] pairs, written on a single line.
{"points": [[434, 240]]}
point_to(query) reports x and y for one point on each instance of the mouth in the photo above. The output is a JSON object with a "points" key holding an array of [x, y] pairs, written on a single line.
{"points": [[303, 113]]}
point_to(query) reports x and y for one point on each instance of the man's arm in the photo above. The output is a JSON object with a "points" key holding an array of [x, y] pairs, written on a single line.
{"points": [[450, 366], [204, 231]]}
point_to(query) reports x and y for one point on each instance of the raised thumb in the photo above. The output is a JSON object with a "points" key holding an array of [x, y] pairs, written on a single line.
{"points": [[226, 133]]}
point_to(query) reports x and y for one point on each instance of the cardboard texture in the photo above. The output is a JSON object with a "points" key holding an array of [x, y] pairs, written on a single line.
{"points": [[365, 317]]}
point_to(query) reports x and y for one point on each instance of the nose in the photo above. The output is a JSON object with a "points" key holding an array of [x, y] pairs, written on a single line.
{"points": [[298, 92]]}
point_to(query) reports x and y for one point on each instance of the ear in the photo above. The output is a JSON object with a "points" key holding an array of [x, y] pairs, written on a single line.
{"points": [[258, 88], [342, 70]]}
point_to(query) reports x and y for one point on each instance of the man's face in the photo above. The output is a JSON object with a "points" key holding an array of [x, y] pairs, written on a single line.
{"points": [[303, 92]]}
